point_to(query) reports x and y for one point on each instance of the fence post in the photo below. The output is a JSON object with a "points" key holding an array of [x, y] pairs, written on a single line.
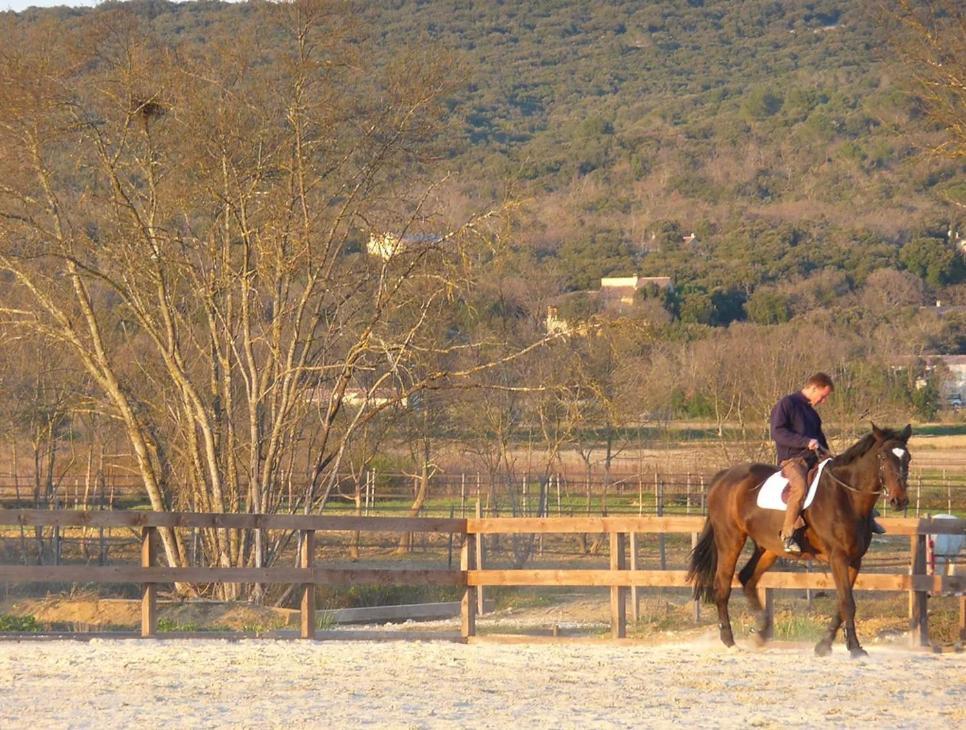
{"points": [[687, 503], [618, 594], [307, 609], [468, 606], [449, 551], [770, 606], [478, 551], [918, 613], [149, 591], [661, 541], [635, 608]]}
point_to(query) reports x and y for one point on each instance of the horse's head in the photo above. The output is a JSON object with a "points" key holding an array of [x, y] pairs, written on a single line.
{"points": [[892, 452]]}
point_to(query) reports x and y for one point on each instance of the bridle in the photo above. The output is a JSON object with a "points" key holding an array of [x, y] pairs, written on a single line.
{"points": [[882, 461]]}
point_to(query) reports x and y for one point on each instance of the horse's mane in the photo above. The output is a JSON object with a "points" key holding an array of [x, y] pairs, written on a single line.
{"points": [[861, 447]]}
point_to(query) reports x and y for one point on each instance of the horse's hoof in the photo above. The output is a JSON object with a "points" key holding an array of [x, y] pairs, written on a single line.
{"points": [[760, 638], [728, 641], [858, 652], [823, 649]]}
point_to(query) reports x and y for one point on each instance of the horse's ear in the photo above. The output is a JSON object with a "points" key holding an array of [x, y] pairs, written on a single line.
{"points": [[877, 432], [906, 432]]}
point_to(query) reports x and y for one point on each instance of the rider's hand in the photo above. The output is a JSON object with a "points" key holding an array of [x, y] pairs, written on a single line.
{"points": [[813, 445]]}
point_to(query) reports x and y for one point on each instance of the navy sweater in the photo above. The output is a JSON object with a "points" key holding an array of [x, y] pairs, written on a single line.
{"points": [[793, 424]]}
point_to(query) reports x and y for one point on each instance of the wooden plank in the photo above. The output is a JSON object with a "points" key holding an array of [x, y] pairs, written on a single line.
{"points": [[925, 526], [480, 598], [671, 524], [468, 605], [474, 578], [635, 599], [918, 599], [618, 594], [566, 525], [677, 579], [935, 584], [139, 518], [352, 523], [307, 604], [279, 574], [149, 591]]}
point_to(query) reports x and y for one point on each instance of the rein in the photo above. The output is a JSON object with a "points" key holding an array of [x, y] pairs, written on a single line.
{"points": [[850, 487], [882, 481]]}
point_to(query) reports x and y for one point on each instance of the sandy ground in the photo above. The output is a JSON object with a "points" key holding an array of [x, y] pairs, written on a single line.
{"points": [[271, 683]]}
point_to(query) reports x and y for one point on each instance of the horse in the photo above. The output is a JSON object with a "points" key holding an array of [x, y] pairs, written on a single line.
{"points": [[838, 529]]}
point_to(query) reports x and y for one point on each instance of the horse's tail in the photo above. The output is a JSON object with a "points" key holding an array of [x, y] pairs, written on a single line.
{"points": [[704, 564]]}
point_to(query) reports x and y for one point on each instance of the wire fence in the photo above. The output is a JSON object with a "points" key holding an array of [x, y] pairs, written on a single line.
{"points": [[648, 491]]}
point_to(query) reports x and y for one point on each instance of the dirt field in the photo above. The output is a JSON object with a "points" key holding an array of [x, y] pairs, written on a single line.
{"points": [[263, 683]]}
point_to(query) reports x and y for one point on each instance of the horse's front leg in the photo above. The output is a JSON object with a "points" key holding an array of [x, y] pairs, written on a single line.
{"points": [[844, 576], [824, 646], [851, 637]]}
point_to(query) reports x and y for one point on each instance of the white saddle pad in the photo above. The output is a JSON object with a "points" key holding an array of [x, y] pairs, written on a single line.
{"points": [[770, 495]]}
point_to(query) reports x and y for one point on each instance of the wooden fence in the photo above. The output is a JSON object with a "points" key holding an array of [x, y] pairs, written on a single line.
{"points": [[621, 576]]}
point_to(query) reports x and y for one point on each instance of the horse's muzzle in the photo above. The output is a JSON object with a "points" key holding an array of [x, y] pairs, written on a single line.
{"points": [[899, 502]]}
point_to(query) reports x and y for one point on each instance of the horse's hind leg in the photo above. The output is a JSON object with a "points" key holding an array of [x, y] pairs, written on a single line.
{"points": [[729, 548], [761, 560]]}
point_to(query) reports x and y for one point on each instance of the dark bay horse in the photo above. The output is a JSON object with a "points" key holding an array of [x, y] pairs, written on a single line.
{"points": [[838, 529]]}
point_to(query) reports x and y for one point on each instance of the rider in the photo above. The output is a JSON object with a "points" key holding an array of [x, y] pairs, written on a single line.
{"points": [[796, 429]]}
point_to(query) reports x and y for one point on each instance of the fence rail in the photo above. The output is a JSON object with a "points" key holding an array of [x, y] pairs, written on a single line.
{"points": [[472, 575]]}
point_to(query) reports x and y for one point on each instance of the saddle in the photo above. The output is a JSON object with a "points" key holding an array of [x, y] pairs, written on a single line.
{"points": [[773, 493]]}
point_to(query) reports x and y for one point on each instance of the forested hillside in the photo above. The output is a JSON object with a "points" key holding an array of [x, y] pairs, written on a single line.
{"points": [[786, 136]]}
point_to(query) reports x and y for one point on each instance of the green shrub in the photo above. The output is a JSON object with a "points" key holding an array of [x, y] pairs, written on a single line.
{"points": [[23, 624]]}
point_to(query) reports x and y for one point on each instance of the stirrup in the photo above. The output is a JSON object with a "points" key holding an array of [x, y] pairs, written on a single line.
{"points": [[790, 545]]}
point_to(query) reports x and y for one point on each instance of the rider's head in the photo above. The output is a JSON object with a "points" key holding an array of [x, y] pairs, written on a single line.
{"points": [[818, 388]]}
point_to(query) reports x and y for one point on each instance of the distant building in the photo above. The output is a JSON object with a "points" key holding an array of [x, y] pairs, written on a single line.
{"points": [[949, 371], [953, 369], [359, 397], [389, 244], [617, 292]]}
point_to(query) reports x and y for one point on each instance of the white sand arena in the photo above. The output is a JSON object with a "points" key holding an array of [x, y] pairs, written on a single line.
{"points": [[265, 683]]}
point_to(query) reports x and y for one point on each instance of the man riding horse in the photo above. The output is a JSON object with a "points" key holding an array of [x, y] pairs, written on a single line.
{"points": [[796, 429]]}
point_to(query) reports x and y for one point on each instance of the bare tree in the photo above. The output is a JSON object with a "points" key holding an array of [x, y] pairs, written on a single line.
{"points": [[194, 228]]}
